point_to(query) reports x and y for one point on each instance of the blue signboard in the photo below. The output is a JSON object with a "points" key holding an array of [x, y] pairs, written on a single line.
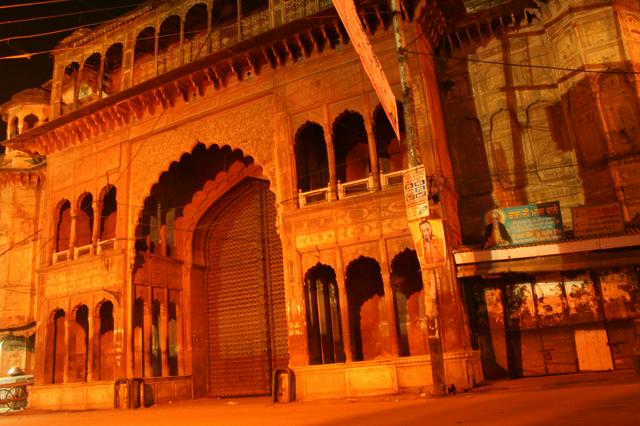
{"points": [[534, 223]]}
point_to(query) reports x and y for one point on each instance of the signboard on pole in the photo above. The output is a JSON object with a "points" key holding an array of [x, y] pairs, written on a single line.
{"points": [[416, 193], [351, 21]]}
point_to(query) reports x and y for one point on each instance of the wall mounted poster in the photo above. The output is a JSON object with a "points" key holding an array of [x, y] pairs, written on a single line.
{"points": [[532, 223]]}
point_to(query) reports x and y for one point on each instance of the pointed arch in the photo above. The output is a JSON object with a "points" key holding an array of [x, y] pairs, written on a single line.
{"points": [[55, 347], [392, 155], [62, 226], [112, 73], [324, 326], [350, 144], [108, 213], [367, 311], [406, 282], [312, 165], [84, 219]]}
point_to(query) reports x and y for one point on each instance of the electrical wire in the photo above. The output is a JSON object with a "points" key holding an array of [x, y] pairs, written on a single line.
{"points": [[14, 6], [62, 15]]}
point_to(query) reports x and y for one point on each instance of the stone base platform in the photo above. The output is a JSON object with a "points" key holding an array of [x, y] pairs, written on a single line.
{"points": [[384, 376]]}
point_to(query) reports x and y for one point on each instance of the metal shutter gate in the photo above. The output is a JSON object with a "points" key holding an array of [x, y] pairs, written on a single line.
{"points": [[239, 316]]}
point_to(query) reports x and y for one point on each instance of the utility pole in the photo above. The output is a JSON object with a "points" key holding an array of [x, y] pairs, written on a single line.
{"points": [[430, 276]]}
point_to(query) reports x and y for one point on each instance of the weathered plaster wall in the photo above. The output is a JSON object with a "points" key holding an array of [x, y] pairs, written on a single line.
{"points": [[525, 126]]}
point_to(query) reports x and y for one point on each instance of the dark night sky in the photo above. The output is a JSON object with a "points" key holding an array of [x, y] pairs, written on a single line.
{"points": [[19, 74]]}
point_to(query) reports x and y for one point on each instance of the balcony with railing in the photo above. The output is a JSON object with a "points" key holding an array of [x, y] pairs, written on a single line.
{"points": [[350, 189]]}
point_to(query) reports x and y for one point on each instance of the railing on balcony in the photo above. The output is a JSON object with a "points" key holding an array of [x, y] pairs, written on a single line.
{"points": [[391, 179], [314, 196], [355, 188], [105, 245], [81, 251], [61, 256], [350, 189], [220, 38]]}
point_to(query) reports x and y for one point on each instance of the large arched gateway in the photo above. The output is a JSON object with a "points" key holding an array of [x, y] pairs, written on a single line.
{"points": [[244, 290], [209, 228]]}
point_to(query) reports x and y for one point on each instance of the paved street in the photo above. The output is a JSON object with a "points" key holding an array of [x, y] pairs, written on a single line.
{"points": [[598, 399]]}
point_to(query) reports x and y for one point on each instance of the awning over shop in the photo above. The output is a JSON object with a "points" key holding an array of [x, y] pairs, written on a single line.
{"points": [[602, 252]]}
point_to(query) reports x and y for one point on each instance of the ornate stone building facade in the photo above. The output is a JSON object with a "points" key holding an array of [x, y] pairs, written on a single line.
{"points": [[213, 194]]}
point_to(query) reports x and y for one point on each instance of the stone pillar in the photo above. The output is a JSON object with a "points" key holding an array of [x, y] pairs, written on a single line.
{"points": [[373, 155], [344, 306], [95, 232], [389, 299], [164, 322], [180, 336], [331, 155], [76, 85], [72, 234], [146, 337], [182, 61], [67, 329], [100, 78], [91, 375]]}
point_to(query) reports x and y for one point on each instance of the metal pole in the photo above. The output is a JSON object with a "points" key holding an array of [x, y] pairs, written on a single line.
{"points": [[430, 280]]}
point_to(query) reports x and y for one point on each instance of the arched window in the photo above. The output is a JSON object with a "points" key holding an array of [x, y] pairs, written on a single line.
{"points": [[144, 54], [392, 156], [169, 44], [63, 226], [324, 328], [195, 32], [90, 78], [253, 6], [84, 220], [103, 351], [312, 166], [195, 21], [368, 321], [70, 84], [108, 215], [139, 343], [112, 73], [351, 148], [169, 33], [224, 14], [79, 344], [54, 360], [406, 281], [14, 127], [29, 121]]}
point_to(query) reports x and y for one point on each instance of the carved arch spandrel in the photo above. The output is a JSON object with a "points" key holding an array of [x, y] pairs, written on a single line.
{"points": [[203, 199]]}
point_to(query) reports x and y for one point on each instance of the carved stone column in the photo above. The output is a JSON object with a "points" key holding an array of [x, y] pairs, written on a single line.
{"points": [[331, 155], [65, 369], [389, 299], [146, 337], [344, 306], [163, 328], [72, 234], [95, 232], [91, 375]]}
